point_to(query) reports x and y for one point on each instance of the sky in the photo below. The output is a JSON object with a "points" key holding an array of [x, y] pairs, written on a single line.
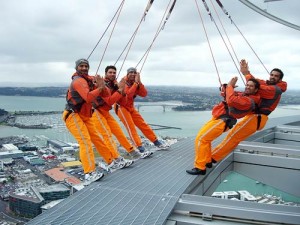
{"points": [[41, 40]]}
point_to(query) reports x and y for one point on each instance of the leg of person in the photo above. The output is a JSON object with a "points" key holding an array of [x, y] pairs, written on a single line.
{"points": [[210, 131], [107, 154], [119, 134], [242, 130], [125, 117], [143, 126], [146, 129], [78, 129], [110, 156], [117, 131], [103, 130]]}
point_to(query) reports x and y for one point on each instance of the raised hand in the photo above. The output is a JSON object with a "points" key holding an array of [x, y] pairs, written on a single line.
{"points": [[99, 82], [121, 85], [138, 78], [244, 68], [232, 82]]}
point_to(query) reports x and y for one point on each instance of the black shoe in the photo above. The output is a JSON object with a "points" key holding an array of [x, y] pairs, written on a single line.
{"points": [[210, 164], [196, 171]]}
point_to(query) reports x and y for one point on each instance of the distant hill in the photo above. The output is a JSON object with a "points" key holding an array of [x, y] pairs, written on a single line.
{"points": [[199, 96], [34, 91]]}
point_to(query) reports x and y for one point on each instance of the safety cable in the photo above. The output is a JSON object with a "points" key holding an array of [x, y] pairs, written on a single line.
{"points": [[211, 52], [143, 18], [226, 13], [106, 29], [110, 37], [160, 28], [130, 42], [220, 21], [212, 19], [228, 39]]}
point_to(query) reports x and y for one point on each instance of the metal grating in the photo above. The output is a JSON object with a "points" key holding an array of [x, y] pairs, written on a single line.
{"points": [[145, 193]]}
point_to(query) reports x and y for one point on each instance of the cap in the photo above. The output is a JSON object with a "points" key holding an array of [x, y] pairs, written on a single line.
{"points": [[131, 69], [80, 61]]}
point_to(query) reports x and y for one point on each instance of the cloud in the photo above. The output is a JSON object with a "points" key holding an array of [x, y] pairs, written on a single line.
{"points": [[40, 40]]}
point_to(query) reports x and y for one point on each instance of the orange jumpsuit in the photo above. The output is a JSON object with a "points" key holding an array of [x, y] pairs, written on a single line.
{"points": [[270, 97], [238, 105], [77, 117], [106, 123], [130, 117]]}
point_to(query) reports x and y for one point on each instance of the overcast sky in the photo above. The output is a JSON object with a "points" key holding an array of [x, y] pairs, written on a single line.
{"points": [[40, 40]]}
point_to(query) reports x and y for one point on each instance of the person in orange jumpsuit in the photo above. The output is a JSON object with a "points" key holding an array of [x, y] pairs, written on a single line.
{"points": [[270, 92], [77, 116], [225, 114], [105, 122], [129, 116]]}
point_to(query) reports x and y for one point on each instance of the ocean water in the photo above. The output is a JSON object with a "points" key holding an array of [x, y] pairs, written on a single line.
{"points": [[186, 124]]}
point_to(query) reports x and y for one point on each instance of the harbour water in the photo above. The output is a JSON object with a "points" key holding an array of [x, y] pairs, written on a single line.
{"points": [[188, 122]]}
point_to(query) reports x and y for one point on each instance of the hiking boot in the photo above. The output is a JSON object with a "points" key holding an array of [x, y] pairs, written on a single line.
{"points": [[127, 162], [137, 155], [161, 145], [196, 171], [146, 154], [141, 149], [92, 177], [115, 165]]}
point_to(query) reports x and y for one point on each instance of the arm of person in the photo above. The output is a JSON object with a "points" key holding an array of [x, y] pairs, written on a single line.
{"points": [[141, 90], [112, 99], [244, 68], [271, 91], [237, 99], [82, 87]]}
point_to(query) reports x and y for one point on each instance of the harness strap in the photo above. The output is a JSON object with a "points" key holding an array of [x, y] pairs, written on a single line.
{"points": [[258, 121], [68, 114], [117, 108], [229, 121]]}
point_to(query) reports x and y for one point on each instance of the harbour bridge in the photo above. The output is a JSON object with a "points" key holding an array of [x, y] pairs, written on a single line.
{"points": [[163, 105]]}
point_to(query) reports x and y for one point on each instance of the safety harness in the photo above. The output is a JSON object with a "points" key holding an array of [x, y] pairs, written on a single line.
{"points": [[74, 100], [229, 120]]}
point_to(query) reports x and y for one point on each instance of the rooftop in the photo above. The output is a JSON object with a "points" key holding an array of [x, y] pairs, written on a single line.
{"points": [[158, 190]]}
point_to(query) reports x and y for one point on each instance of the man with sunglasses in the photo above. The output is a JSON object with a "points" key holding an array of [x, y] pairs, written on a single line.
{"points": [[270, 93]]}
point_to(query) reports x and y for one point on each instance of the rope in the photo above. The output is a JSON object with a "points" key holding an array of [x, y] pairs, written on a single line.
{"points": [[110, 36], [160, 28], [130, 42], [105, 30], [226, 13], [228, 39], [212, 19], [211, 52], [237, 60]]}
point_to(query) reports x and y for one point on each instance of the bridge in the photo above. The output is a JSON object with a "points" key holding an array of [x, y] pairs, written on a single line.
{"points": [[164, 105]]}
